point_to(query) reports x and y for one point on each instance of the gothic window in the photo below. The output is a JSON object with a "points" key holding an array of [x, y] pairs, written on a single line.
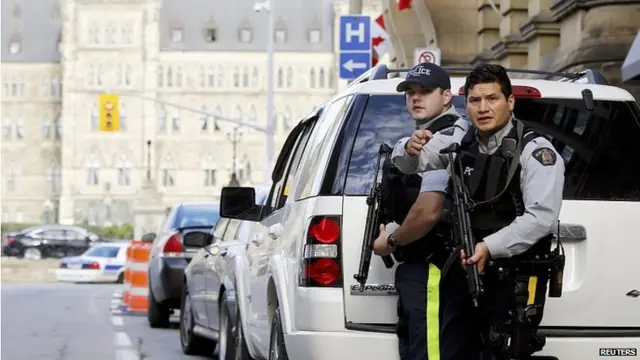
{"points": [[54, 86], [280, 36], [6, 128], [220, 76], [175, 122], [169, 76], [110, 34], [201, 76], [179, 76], [99, 74], [211, 77], [204, 119], [312, 78], [58, 125], [236, 77], [245, 77], [321, 78], [15, 45], [123, 165], [254, 77], [289, 77], [91, 75], [160, 79], [238, 115], [162, 120], [93, 169], [127, 33], [176, 34], [123, 115], [246, 35], [95, 123], [280, 78], [19, 128], [252, 113], [12, 176], [46, 127], [127, 74], [331, 78], [314, 36], [209, 167], [53, 178], [167, 169]]}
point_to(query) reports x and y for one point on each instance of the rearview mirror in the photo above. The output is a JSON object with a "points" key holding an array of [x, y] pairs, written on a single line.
{"points": [[239, 203], [148, 237]]}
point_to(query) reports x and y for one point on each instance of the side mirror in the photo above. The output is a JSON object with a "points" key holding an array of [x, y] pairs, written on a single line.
{"points": [[149, 237], [239, 203], [198, 241]]}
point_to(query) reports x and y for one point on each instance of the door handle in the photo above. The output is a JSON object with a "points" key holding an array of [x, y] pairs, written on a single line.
{"points": [[275, 231], [572, 232]]}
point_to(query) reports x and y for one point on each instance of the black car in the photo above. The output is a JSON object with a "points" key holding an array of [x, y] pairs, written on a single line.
{"points": [[169, 256], [54, 241]]}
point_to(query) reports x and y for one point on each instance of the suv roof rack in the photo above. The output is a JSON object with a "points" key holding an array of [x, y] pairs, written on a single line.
{"points": [[382, 71]]}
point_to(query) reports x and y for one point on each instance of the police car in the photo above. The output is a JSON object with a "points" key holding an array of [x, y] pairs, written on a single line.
{"points": [[101, 263], [305, 249]]}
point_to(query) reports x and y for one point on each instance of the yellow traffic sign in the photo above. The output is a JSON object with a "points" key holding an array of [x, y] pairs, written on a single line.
{"points": [[109, 112]]}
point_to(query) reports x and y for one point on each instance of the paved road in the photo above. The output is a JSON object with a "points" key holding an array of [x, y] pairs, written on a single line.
{"points": [[75, 322]]}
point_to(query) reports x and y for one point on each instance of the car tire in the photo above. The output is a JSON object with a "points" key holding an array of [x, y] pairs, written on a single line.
{"points": [[232, 344], [191, 343], [120, 279], [157, 314], [277, 348]]}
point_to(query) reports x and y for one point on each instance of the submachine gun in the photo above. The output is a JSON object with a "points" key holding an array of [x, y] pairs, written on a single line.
{"points": [[463, 235], [371, 231], [516, 338]]}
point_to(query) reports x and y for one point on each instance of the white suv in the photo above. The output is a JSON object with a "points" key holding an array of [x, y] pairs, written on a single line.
{"points": [[302, 297]]}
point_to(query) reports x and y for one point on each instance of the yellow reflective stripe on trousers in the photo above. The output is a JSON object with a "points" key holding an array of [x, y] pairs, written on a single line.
{"points": [[433, 312]]}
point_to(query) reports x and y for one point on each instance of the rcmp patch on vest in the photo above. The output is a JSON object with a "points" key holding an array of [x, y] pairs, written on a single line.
{"points": [[545, 156]]}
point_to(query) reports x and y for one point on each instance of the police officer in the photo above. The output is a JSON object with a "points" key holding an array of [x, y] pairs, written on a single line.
{"points": [[416, 206], [516, 210]]}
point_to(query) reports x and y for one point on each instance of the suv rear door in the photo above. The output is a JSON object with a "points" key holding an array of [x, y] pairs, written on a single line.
{"points": [[601, 192], [601, 197]]}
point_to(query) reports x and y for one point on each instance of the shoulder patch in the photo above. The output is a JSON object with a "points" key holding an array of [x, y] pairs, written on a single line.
{"points": [[545, 156], [448, 131]]}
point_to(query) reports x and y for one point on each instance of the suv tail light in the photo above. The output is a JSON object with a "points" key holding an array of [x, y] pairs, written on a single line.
{"points": [[10, 239], [321, 264], [63, 266], [173, 246]]}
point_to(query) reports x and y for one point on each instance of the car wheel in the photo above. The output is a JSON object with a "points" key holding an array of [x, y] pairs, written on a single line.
{"points": [[157, 314], [277, 349], [120, 279], [191, 343], [32, 254], [232, 345]]}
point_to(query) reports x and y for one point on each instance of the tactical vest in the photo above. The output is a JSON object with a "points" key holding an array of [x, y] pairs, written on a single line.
{"points": [[400, 191]]}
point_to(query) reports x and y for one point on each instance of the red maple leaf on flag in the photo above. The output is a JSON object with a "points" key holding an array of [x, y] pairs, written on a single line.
{"points": [[377, 40], [404, 4]]}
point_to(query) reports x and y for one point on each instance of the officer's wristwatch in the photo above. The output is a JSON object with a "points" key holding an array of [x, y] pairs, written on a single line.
{"points": [[392, 242]]}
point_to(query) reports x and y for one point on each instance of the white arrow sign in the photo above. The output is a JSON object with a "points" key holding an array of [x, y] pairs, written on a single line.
{"points": [[352, 65]]}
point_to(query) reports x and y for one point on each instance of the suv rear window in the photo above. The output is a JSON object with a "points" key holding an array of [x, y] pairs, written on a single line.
{"points": [[597, 147]]}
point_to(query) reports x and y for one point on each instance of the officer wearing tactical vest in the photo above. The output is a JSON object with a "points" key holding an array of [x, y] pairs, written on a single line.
{"points": [[410, 202], [521, 188]]}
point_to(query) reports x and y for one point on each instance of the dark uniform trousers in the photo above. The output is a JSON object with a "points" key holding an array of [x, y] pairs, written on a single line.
{"points": [[463, 327], [418, 286]]}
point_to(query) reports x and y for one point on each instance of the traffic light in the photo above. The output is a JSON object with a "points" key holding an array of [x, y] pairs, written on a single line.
{"points": [[109, 112]]}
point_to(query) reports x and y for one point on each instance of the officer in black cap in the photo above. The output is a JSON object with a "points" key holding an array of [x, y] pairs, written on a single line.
{"points": [[413, 206]]}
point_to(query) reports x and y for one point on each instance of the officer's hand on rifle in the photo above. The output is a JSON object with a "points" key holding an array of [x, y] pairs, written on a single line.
{"points": [[480, 257], [380, 245], [418, 139]]}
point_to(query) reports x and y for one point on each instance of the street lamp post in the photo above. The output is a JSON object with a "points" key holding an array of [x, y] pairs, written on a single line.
{"points": [[234, 137], [267, 5]]}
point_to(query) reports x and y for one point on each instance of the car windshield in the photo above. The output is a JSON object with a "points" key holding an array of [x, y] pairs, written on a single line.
{"points": [[197, 215], [103, 251]]}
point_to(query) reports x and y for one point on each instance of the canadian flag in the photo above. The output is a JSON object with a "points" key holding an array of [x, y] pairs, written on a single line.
{"points": [[380, 37], [404, 4]]}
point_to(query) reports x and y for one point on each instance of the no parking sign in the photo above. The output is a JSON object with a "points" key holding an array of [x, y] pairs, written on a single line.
{"points": [[431, 55]]}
